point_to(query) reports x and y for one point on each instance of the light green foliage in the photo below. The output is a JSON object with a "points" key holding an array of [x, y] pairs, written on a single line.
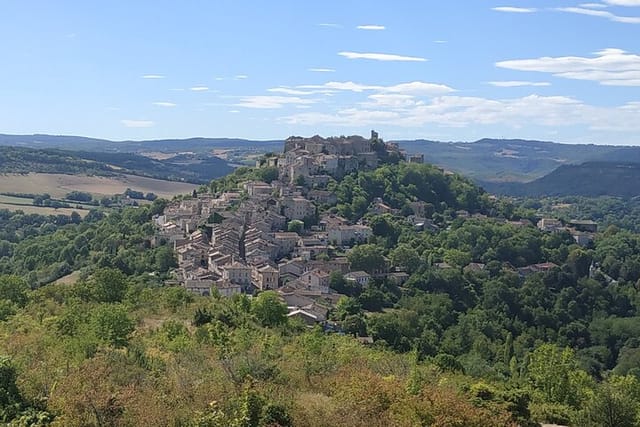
{"points": [[112, 324], [554, 373], [268, 309]]}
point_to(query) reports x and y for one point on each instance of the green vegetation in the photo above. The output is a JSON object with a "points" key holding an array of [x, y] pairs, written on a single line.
{"points": [[470, 338]]}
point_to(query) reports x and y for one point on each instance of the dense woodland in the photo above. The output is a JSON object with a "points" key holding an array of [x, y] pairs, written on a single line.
{"points": [[453, 346]]}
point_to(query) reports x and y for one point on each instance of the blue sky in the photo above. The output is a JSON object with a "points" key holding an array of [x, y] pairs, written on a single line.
{"points": [[460, 70]]}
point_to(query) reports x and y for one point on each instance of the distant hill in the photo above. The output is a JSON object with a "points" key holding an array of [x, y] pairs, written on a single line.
{"points": [[197, 145], [505, 160], [587, 179], [485, 160], [193, 168]]}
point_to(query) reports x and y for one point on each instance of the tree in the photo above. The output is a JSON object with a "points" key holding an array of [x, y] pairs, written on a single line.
{"points": [[366, 257], [405, 257], [610, 407], [554, 373], [295, 226], [109, 285], [13, 289], [268, 309], [112, 324]]}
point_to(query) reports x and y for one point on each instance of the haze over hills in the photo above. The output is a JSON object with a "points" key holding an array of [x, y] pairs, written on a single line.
{"points": [[587, 179], [70, 142], [500, 165]]}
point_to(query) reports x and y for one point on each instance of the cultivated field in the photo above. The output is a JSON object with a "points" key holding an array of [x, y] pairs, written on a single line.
{"points": [[58, 185], [42, 210]]}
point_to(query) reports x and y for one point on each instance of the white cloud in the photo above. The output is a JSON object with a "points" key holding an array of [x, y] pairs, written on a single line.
{"points": [[418, 88], [623, 2], [413, 88], [137, 123], [321, 70], [241, 77], [153, 76], [460, 112], [381, 56], [593, 5], [511, 9], [601, 14], [199, 89], [164, 104], [330, 25], [234, 111], [440, 41], [290, 91], [611, 67], [518, 83], [271, 102], [371, 27], [392, 100]]}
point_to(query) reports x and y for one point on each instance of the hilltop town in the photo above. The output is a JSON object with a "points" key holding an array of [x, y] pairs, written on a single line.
{"points": [[281, 235]]}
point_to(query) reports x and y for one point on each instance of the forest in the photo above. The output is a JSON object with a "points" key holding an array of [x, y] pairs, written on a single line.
{"points": [[472, 338]]}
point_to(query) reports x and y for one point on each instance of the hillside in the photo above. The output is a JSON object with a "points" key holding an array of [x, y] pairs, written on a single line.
{"points": [[493, 160], [588, 179], [194, 168], [504, 160], [69, 142]]}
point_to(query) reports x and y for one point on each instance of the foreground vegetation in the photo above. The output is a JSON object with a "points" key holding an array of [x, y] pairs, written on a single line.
{"points": [[468, 340]]}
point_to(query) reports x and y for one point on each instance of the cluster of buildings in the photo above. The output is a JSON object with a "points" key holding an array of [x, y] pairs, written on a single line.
{"points": [[313, 160], [582, 231], [242, 241]]}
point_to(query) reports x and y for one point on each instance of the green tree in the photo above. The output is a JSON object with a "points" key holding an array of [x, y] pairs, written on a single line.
{"points": [[406, 257], [109, 285], [295, 226], [366, 257], [112, 324], [268, 309], [13, 289]]}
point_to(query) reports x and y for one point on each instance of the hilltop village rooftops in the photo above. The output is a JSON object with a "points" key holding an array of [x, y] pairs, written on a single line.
{"points": [[282, 235]]}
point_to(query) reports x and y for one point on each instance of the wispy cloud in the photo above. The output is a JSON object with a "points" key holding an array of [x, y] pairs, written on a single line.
{"points": [[272, 102], [371, 27], [601, 14], [623, 2], [290, 91], [412, 88], [512, 9], [164, 104], [199, 89], [381, 56], [241, 77], [153, 76], [440, 41], [321, 70], [330, 25], [138, 123], [593, 5], [465, 112], [517, 83], [611, 67]]}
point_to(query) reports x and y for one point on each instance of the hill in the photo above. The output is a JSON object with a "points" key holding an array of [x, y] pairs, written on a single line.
{"points": [[194, 168], [69, 142], [506, 160], [588, 179]]}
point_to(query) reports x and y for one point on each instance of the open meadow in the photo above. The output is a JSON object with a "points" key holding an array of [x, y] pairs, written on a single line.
{"points": [[58, 185]]}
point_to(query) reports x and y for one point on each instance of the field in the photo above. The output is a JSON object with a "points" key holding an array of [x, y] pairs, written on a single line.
{"points": [[58, 185]]}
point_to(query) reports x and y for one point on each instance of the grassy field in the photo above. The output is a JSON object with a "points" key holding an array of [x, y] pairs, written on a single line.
{"points": [[42, 210], [58, 185]]}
